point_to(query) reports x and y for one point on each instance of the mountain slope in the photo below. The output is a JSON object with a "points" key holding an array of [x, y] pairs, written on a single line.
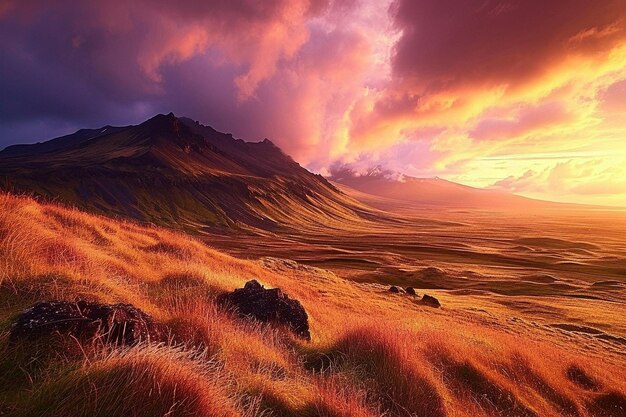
{"points": [[382, 188], [83, 135], [176, 172]]}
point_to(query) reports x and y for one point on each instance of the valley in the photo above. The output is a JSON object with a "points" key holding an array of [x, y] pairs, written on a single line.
{"points": [[554, 268]]}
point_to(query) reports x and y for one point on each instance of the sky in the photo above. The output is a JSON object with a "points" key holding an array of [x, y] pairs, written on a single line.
{"points": [[527, 96]]}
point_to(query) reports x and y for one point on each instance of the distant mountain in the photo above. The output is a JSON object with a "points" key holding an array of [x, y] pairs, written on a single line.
{"points": [[176, 172], [383, 188]]}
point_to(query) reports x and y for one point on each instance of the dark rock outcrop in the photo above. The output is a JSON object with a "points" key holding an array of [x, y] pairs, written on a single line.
{"points": [[120, 324], [430, 301], [410, 291], [394, 289], [268, 306]]}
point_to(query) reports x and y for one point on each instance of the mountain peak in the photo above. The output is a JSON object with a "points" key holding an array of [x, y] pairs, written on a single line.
{"points": [[269, 143], [377, 172], [162, 120], [169, 115], [179, 144], [175, 171]]}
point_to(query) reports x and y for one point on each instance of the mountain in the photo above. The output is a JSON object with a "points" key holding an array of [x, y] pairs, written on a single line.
{"points": [[62, 142], [176, 172], [383, 188]]}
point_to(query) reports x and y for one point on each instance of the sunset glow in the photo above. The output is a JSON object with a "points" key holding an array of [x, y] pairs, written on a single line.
{"points": [[312, 208], [523, 96]]}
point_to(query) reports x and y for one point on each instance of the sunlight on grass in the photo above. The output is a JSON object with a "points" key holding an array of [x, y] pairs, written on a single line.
{"points": [[372, 354]]}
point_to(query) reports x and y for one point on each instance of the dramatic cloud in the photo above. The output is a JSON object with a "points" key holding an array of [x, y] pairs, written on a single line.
{"points": [[455, 60], [285, 69], [479, 80], [478, 91], [525, 120], [448, 44], [124, 41]]}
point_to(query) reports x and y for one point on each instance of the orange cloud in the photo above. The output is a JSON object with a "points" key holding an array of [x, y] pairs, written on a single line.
{"points": [[493, 80]]}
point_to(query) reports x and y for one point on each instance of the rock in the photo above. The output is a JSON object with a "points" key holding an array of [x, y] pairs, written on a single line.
{"points": [[430, 301], [268, 306], [253, 285], [120, 324], [394, 289], [410, 290]]}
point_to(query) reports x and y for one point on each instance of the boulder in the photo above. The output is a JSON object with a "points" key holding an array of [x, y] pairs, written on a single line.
{"points": [[410, 290], [120, 324], [430, 301], [394, 289], [268, 306]]}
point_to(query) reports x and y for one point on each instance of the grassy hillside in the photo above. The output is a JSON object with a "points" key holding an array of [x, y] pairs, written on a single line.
{"points": [[371, 352]]}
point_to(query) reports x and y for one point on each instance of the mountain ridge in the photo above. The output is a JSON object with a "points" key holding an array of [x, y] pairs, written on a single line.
{"points": [[393, 187], [176, 172]]}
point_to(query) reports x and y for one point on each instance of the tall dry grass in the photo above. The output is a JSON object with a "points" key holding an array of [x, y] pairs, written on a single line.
{"points": [[371, 354], [146, 380]]}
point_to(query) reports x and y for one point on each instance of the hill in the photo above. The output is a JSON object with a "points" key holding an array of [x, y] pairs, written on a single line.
{"points": [[372, 352], [385, 189], [175, 172]]}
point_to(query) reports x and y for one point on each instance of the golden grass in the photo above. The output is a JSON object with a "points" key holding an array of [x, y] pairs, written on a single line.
{"points": [[372, 353], [155, 381]]}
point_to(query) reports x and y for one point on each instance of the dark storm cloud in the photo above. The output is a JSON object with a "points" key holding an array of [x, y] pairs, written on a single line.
{"points": [[447, 42], [86, 63]]}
